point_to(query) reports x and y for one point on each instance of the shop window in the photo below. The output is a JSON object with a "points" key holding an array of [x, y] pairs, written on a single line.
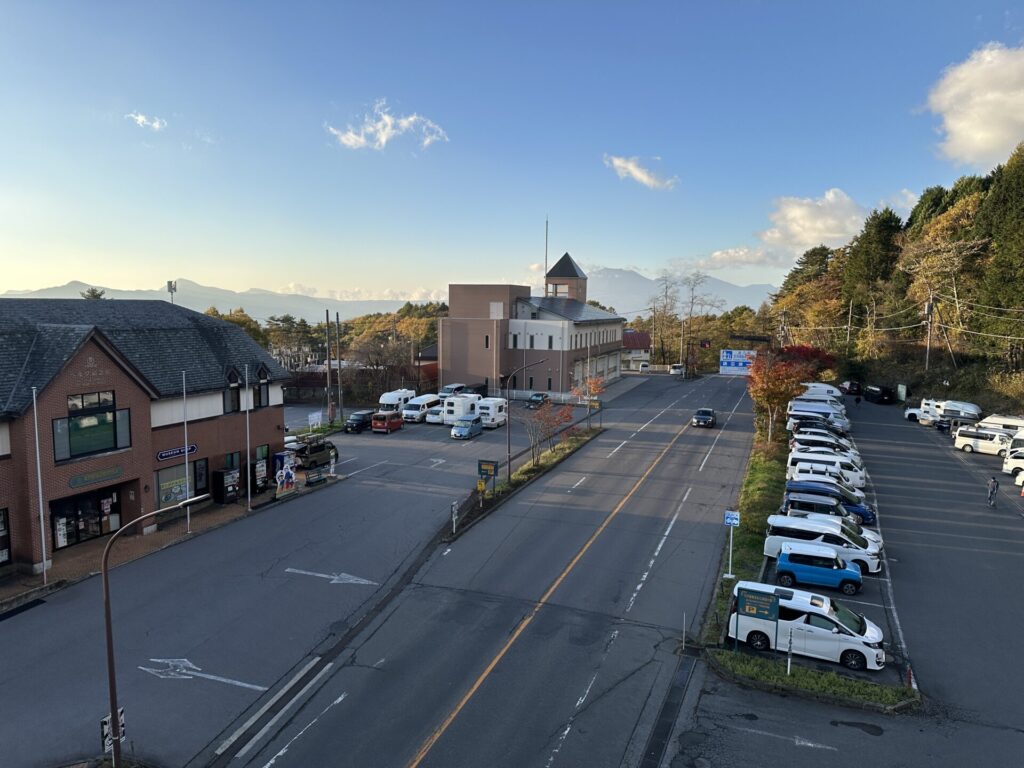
{"points": [[262, 452], [5, 538], [93, 425], [233, 460], [83, 517], [200, 469]]}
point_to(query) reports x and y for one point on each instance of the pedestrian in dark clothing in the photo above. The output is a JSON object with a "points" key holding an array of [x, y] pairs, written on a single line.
{"points": [[856, 401], [993, 491]]}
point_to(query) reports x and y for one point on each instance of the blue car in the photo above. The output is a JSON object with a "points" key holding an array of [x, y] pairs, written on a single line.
{"points": [[861, 512], [464, 429], [801, 563]]}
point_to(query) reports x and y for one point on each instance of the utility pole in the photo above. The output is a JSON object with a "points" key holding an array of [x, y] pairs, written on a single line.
{"points": [[545, 255], [928, 321], [327, 389], [337, 342], [849, 323]]}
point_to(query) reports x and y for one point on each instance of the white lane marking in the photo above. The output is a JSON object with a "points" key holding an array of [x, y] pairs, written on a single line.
{"points": [[658, 414], [436, 463], [334, 578], [273, 721], [380, 661], [446, 551], [731, 414], [577, 484], [284, 749], [616, 448], [862, 602], [246, 725], [798, 741], [346, 461], [614, 636], [183, 669], [350, 474]]}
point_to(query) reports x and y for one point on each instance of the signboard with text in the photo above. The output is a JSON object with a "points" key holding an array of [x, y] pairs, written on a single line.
{"points": [[736, 362], [759, 605]]}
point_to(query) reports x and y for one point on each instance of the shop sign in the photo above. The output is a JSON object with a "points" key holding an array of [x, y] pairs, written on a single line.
{"points": [[97, 476], [172, 453], [261, 471]]}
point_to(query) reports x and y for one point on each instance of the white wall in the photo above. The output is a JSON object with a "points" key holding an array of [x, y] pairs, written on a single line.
{"points": [[201, 406], [540, 330], [5, 439], [276, 394]]}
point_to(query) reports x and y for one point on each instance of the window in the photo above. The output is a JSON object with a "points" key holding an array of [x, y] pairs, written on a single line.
{"points": [[551, 342], [487, 341], [232, 396], [515, 341], [200, 473], [531, 383], [531, 341], [789, 614], [820, 622], [5, 538], [549, 383], [93, 425], [232, 460], [261, 394]]}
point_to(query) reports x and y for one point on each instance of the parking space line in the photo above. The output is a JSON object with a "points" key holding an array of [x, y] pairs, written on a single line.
{"points": [[863, 602], [366, 468]]}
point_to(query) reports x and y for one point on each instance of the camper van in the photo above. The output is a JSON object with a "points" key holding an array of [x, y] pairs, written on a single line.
{"points": [[493, 411], [460, 407], [952, 409], [416, 409], [1012, 424], [395, 401], [821, 387]]}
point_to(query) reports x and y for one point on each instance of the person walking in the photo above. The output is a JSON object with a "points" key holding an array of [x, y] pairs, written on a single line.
{"points": [[856, 401], [993, 491]]}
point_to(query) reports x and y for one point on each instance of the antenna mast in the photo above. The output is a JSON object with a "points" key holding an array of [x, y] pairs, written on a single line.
{"points": [[545, 255]]}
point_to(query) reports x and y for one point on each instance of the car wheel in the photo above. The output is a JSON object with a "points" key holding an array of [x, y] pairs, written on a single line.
{"points": [[849, 588], [968, 449], [863, 567], [1002, 454], [1016, 471], [758, 641], [785, 579], [911, 417], [853, 660]]}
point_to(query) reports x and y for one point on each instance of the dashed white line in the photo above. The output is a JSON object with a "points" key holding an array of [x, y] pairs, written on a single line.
{"points": [[616, 448], [313, 722], [578, 482], [731, 414]]}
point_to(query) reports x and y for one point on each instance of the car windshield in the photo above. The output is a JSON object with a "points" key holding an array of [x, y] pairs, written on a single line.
{"points": [[852, 529], [851, 620], [704, 412], [856, 538], [464, 424]]}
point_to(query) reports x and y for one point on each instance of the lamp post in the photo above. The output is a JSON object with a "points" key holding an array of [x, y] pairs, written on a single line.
{"points": [[115, 723], [508, 421]]}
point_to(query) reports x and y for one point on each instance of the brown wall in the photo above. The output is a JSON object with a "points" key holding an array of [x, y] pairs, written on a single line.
{"points": [[473, 301]]}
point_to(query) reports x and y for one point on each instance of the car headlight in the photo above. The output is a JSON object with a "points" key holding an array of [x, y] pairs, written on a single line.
{"points": [[877, 645]]}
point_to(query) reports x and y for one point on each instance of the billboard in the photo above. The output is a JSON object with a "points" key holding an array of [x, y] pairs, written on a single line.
{"points": [[736, 362]]}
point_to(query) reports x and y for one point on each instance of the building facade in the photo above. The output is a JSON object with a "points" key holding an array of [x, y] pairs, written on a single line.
{"points": [[502, 337], [106, 385], [636, 349]]}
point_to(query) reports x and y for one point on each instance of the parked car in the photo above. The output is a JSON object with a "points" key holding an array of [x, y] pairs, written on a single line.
{"points": [[882, 395], [357, 421], [645, 367], [386, 421], [537, 399], [850, 387], [863, 553], [859, 510], [822, 628], [813, 564], [312, 451], [435, 415], [466, 429], [827, 476], [676, 369], [969, 440], [450, 390], [704, 417]]}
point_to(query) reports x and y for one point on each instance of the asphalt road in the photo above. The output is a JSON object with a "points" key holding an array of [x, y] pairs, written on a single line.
{"points": [[547, 634]]}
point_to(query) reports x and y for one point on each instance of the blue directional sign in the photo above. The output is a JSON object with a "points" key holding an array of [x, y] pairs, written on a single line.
{"points": [[732, 519], [736, 362]]}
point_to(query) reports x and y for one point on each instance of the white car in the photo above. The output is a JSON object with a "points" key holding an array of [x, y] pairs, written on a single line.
{"points": [[676, 369], [851, 456]]}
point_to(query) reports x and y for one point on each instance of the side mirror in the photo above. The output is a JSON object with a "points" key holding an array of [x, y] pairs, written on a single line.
{"points": [[835, 630]]}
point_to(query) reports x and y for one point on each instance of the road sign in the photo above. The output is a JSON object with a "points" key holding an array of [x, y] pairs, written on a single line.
{"points": [[736, 362], [732, 518], [481, 486], [759, 605], [486, 468], [106, 733]]}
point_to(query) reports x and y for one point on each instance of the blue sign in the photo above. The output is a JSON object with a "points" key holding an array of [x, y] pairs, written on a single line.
{"points": [[171, 453], [736, 362], [732, 519]]}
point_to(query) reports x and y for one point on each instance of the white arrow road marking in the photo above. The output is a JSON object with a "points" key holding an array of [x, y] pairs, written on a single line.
{"points": [[436, 463], [183, 669], [798, 741], [334, 578]]}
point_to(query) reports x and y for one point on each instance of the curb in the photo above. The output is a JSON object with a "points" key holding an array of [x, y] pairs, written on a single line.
{"points": [[892, 709]]}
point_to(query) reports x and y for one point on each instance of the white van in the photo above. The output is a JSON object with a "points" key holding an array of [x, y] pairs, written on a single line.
{"points": [[814, 474], [824, 441], [828, 450], [396, 400], [821, 397], [821, 409], [862, 552], [998, 421], [970, 440], [821, 627], [846, 469], [819, 386], [416, 409], [493, 411], [450, 390], [460, 407], [953, 409]]}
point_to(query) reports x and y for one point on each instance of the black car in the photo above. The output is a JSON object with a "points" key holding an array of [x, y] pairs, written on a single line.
{"points": [[357, 421], [537, 399], [704, 417], [313, 451], [876, 393]]}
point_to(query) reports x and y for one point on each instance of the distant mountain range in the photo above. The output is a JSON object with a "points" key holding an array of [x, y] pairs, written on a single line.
{"points": [[626, 290], [630, 292], [257, 303]]}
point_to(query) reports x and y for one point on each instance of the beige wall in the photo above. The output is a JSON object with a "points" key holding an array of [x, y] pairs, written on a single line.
{"points": [[474, 301]]}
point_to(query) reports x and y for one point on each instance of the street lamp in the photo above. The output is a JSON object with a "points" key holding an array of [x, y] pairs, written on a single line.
{"points": [[508, 421], [115, 722]]}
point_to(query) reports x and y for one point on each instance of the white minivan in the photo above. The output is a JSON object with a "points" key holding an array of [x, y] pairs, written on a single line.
{"points": [[821, 409], [416, 409], [821, 397], [1008, 423], [821, 627], [970, 440], [819, 386], [864, 553], [846, 469]]}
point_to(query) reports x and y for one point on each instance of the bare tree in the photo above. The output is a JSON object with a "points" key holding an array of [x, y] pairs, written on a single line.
{"points": [[696, 305], [663, 308]]}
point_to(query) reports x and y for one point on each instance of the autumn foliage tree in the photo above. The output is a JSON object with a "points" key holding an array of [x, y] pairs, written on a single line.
{"points": [[773, 382], [551, 419], [587, 390]]}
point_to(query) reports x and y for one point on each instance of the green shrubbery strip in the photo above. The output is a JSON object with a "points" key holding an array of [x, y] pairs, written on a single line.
{"points": [[772, 672]]}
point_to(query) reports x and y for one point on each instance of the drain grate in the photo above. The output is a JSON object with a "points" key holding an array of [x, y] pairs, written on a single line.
{"points": [[669, 713]]}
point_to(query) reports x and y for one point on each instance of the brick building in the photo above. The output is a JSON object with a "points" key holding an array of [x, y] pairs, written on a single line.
{"points": [[499, 335], [109, 386]]}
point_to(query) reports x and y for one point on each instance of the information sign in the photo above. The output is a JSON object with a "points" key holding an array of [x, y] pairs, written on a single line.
{"points": [[732, 518], [486, 468], [759, 605], [736, 362]]}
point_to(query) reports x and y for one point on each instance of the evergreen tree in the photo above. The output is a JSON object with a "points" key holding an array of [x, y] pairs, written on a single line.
{"points": [[872, 254]]}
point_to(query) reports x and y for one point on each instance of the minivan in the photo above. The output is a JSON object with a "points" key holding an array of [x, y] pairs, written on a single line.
{"points": [[849, 472], [996, 421], [386, 421], [863, 553], [467, 428], [848, 526], [416, 409], [823, 410], [820, 386], [798, 421], [826, 475], [876, 393], [821, 628], [357, 421], [821, 397], [801, 563], [969, 440], [859, 510], [828, 450], [805, 440], [807, 429], [795, 502]]}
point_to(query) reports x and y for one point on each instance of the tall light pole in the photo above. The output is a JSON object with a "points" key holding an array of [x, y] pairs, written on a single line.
{"points": [[508, 421], [115, 722]]}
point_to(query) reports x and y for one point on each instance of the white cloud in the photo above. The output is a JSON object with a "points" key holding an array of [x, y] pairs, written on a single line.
{"points": [[299, 288], [381, 127], [155, 124], [630, 168], [902, 202], [536, 267], [744, 256], [801, 222], [981, 103], [361, 294]]}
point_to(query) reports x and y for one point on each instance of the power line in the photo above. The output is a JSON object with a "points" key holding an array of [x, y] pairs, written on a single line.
{"points": [[979, 333], [975, 304]]}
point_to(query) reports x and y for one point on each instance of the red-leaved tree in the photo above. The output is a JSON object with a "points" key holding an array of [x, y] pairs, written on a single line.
{"points": [[772, 383]]}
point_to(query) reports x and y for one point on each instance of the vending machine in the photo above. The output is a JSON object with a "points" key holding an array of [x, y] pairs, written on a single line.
{"points": [[225, 485]]}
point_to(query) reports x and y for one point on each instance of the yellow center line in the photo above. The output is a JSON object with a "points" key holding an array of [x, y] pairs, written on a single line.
{"points": [[526, 620]]}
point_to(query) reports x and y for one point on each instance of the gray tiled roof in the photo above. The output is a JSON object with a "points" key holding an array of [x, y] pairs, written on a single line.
{"points": [[566, 267], [572, 309], [159, 340]]}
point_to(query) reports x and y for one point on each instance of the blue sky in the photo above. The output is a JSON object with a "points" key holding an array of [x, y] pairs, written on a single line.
{"points": [[240, 144]]}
